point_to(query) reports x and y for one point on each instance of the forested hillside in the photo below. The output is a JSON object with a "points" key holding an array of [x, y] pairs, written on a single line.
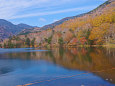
{"points": [[96, 27]]}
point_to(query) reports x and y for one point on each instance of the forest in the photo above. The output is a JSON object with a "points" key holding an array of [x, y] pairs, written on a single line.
{"points": [[94, 28]]}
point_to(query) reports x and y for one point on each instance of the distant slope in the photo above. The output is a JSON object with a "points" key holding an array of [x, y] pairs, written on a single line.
{"points": [[30, 30], [68, 18], [59, 22], [25, 26], [7, 28]]}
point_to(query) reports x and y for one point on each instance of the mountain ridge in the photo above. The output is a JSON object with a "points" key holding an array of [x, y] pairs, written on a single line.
{"points": [[96, 27], [8, 29], [72, 17]]}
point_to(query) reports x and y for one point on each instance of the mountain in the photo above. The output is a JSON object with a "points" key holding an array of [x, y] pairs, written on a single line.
{"points": [[68, 18], [25, 26], [8, 29], [30, 30], [59, 22], [96, 27]]}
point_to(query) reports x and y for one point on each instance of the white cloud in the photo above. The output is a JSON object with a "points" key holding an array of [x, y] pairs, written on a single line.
{"points": [[12, 9], [51, 12], [9, 8]]}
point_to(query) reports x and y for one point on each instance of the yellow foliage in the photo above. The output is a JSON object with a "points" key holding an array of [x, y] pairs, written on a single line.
{"points": [[98, 33], [99, 25]]}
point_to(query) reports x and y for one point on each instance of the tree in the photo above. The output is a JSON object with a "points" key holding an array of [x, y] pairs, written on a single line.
{"points": [[17, 38], [27, 42], [113, 17], [33, 42], [10, 44], [46, 40], [99, 33], [40, 44], [49, 40], [18, 45], [83, 40], [5, 45], [0, 45], [60, 41]]}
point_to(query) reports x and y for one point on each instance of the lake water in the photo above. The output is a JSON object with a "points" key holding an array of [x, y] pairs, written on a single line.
{"points": [[57, 67]]}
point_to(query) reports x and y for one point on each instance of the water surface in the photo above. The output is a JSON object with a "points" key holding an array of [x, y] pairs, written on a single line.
{"points": [[57, 67]]}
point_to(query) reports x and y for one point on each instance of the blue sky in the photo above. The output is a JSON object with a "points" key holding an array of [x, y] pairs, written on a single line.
{"points": [[43, 12]]}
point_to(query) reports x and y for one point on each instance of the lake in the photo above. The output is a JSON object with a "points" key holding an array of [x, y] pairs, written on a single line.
{"points": [[57, 67]]}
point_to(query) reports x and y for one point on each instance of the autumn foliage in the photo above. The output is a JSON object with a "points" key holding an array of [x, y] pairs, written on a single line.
{"points": [[94, 28]]}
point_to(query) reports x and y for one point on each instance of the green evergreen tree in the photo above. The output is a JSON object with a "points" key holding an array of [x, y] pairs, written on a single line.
{"points": [[33, 42], [10, 44], [5, 45], [60, 41], [27, 42], [0, 45], [49, 40]]}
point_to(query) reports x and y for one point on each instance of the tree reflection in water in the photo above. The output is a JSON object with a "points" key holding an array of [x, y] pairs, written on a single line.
{"points": [[84, 59]]}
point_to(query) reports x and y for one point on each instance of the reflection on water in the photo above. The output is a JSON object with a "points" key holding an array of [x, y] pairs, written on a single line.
{"points": [[72, 59]]}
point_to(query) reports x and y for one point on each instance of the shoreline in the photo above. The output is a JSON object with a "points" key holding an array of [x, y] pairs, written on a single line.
{"points": [[73, 46]]}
